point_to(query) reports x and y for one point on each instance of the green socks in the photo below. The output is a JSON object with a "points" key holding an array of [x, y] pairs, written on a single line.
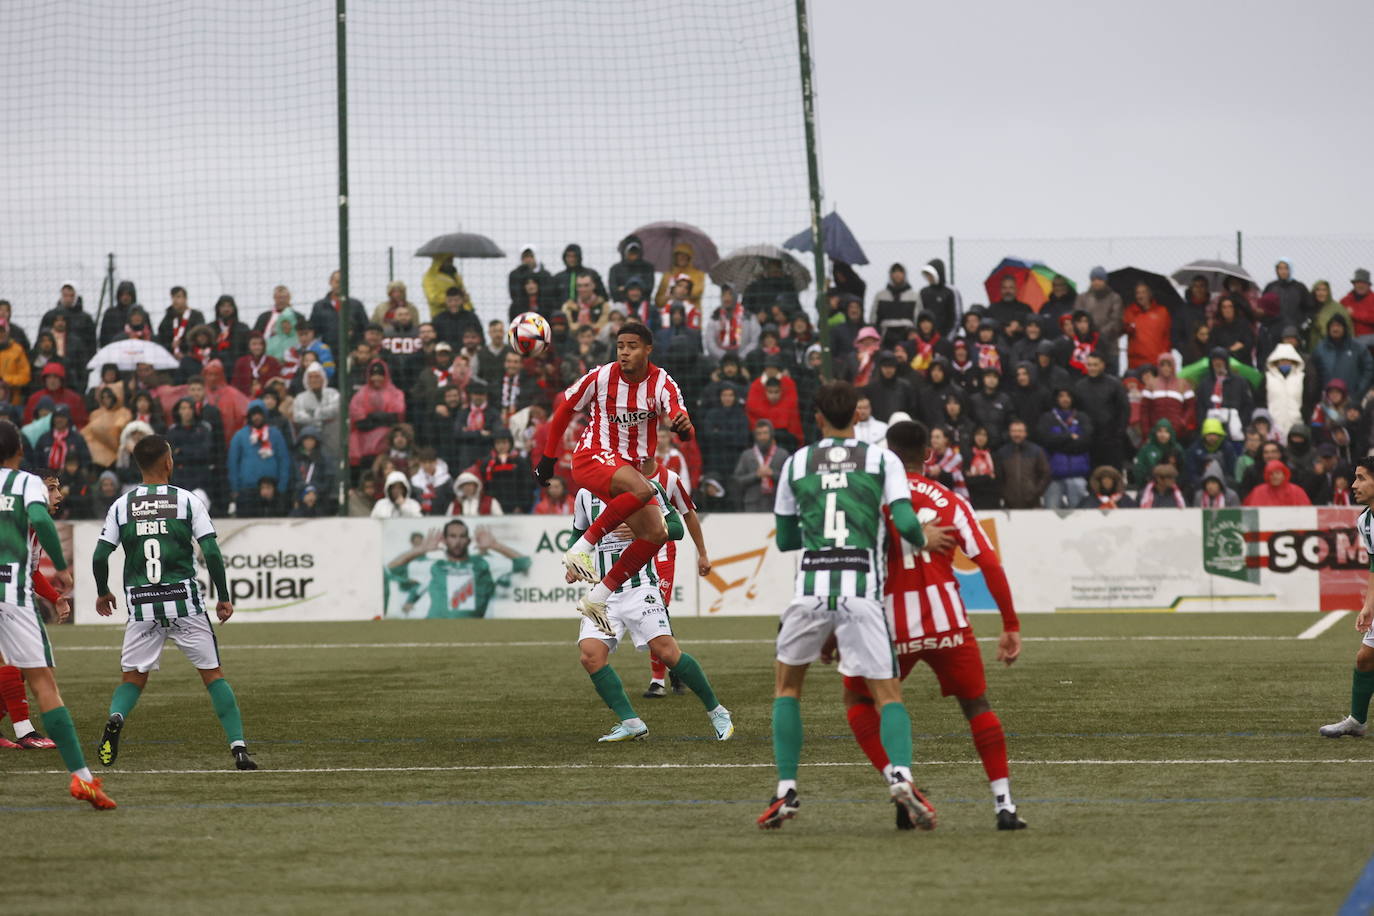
{"points": [[691, 674], [612, 691], [57, 722], [226, 708], [787, 736], [1361, 689], [125, 698], [895, 731]]}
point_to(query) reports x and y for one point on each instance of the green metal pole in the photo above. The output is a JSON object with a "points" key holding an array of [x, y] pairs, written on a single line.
{"points": [[1240, 249], [951, 260], [341, 357], [390, 263], [814, 176]]}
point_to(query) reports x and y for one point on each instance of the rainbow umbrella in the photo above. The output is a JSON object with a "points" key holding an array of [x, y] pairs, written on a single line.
{"points": [[1033, 281]]}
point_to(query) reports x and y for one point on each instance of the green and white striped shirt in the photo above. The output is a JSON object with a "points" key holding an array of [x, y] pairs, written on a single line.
{"points": [[587, 507], [836, 489], [18, 491], [158, 527]]}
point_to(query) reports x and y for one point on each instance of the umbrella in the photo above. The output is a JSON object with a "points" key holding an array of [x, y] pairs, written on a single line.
{"points": [[742, 266], [1215, 271], [126, 354], [1124, 280], [658, 240], [1032, 278], [460, 245], [837, 241]]}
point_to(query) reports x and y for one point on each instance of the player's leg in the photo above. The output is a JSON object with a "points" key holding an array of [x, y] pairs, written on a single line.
{"points": [[658, 672], [624, 490], [803, 629], [14, 700], [650, 534], [140, 654], [689, 670], [57, 721], [595, 653], [1361, 689], [195, 637], [863, 717]]}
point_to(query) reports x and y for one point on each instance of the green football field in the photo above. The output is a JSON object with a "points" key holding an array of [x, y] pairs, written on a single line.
{"points": [[1165, 763]]}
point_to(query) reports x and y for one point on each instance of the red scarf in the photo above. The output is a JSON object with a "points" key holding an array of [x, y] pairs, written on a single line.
{"points": [[477, 419], [866, 363], [223, 342], [57, 456], [1206, 501], [980, 463], [925, 351], [1078, 360], [262, 438], [766, 484], [730, 327], [179, 331], [989, 358]]}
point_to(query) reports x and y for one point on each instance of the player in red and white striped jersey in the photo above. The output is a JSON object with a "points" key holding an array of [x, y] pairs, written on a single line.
{"points": [[665, 561], [929, 623], [625, 400]]}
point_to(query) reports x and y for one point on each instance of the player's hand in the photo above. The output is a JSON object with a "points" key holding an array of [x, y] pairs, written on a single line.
{"points": [[432, 540], [568, 577], [703, 565], [64, 610], [105, 605], [224, 610], [1009, 647], [624, 532], [1364, 619], [407, 608], [830, 650], [62, 581], [682, 425], [483, 539], [938, 537], [543, 471]]}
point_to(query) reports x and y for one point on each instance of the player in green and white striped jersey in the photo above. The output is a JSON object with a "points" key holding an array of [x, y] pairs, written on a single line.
{"points": [[23, 639], [1362, 680], [159, 525], [830, 503], [636, 608]]}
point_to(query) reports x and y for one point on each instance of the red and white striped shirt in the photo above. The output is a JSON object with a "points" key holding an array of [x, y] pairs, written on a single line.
{"points": [[624, 415], [665, 561], [922, 590]]}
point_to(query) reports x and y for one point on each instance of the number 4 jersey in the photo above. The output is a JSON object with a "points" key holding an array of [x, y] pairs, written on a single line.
{"points": [[836, 489], [158, 527]]}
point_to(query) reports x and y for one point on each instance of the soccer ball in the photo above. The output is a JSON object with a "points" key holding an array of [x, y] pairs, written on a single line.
{"points": [[529, 334]]}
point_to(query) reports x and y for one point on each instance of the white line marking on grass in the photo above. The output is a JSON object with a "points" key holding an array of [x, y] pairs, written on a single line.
{"points": [[544, 644], [694, 766], [1328, 620]]}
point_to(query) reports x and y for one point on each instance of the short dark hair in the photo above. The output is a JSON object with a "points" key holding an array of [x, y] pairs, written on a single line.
{"points": [[10, 444], [452, 522], [837, 401], [1366, 462], [638, 329], [150, 450], [178, 289], [908, 439]]}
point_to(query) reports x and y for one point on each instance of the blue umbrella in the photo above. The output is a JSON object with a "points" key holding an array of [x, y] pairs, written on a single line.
{"points": [[839, 243]]}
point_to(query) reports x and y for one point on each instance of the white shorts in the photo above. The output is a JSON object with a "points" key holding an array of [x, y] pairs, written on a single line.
{"points": [[144, 639], [860, 628], [1368, 639], [637, 611], [23, 638]]}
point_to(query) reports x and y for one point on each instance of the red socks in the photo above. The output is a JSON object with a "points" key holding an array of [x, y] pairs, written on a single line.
{"points": [[12, 694], [631, 561], [657, 669], [616, 511], [991, 743], [865, 722]]}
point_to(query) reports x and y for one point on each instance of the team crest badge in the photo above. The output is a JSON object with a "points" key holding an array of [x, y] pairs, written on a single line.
{"points": [[836, 454]]}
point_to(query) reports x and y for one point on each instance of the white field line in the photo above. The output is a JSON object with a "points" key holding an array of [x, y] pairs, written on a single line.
{"points": [[543, 644], [1328, 620], [696, 766]]}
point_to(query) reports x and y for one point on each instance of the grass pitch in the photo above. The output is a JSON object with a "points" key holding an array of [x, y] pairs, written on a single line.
{"points": [[452, 767]]}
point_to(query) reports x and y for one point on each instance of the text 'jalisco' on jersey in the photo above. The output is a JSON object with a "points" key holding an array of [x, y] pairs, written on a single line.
{"points": [[158, 527], [18, 491], [587, 507], [837, 490], [623, 416]]}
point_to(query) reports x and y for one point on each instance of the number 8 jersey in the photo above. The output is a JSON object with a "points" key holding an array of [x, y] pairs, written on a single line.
{"points": [[158, 527], [836, 489]]}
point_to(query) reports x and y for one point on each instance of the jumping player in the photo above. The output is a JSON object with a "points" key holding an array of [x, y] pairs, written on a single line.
{"points": [[637, 608], [665, 561], [829, 503], [1362, 680], [23, 640], [929, 623], [158, 526], [14, 698], [626, 399]]}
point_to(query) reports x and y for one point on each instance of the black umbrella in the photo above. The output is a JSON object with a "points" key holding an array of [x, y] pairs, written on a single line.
{"points": [[460, 245], [1124, 281], [837, 241]]}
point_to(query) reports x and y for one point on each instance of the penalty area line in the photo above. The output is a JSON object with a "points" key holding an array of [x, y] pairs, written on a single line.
{"points": [[1327, 621]]}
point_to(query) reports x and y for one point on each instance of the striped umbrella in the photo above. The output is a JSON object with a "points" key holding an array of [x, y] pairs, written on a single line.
{"points": [[1033, 280]]}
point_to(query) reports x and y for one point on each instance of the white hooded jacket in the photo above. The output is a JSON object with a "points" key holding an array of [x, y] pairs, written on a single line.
{"points": [[1285, 392], [386, 508]]}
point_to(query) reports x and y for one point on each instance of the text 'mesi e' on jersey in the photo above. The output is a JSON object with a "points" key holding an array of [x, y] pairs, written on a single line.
{"points": [[836, 489], [158, 527], [586, 508], [18, 491], [623, 416], [922, 594]]}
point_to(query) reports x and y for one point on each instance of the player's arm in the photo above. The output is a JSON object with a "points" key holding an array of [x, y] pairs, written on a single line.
{"points": [[214, 562], [43, 526], [785, 516], [671, 409], [44, 589], [674, 522], [693, 523], [485, 541], [574, 399], [897, 498], [483, 585]]}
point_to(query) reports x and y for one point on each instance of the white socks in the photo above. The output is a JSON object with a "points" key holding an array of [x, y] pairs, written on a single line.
{"points": [[1001, 794], [784, 785], [84, 774], [891, 774], [599, 593], [656, 680], [583, 545], [23, 727], [634, 724]]}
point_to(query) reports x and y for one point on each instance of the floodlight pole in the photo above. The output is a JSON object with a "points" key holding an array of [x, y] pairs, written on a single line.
{"points": [[814, 178], [345, 314]]}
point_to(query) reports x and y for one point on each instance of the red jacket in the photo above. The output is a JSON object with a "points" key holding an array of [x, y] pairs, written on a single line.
{"points": [[1361, 312], [63, 395], [250, 382], [1148, 331], [786, 414], [1286, 494]]}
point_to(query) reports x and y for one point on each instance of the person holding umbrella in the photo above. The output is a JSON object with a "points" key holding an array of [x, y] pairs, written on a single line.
{"points": [[682, 265], [1009, 307], [1148, 327]]}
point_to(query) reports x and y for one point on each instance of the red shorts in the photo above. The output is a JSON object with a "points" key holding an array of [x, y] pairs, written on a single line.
{"points": [[958, 668], [593, 470]]}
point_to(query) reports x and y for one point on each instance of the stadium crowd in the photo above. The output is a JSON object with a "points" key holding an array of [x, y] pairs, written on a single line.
{"points": [[1242, 395]]}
